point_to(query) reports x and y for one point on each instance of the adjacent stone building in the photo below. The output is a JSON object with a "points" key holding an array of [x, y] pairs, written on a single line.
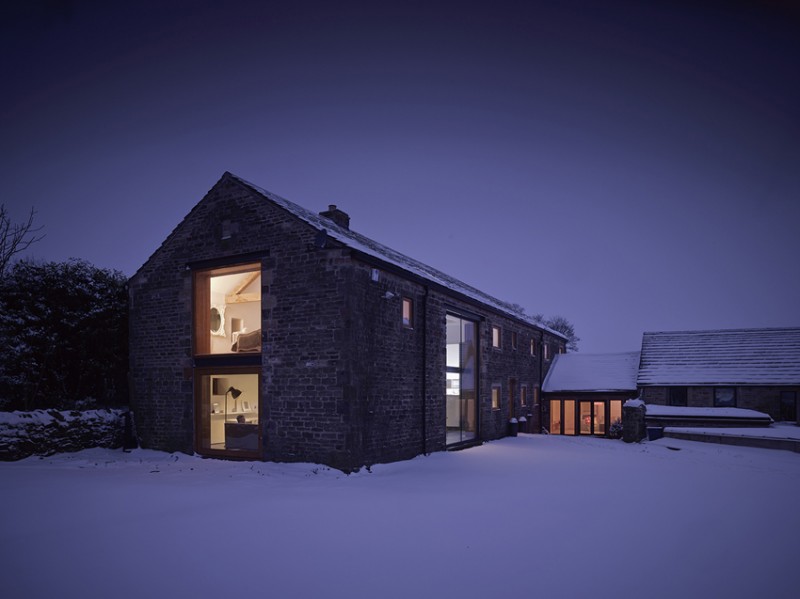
{"points": [[262, 330], [756, 369]]}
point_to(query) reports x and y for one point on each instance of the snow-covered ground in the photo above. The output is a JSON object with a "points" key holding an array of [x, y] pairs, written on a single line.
{"points": [[532, 516]]}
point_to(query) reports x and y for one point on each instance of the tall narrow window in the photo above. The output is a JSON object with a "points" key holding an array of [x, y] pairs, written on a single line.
{"points": [[461, 378], [496, 397], [513, 340], [555, 417], [408, 312], [496, 337], [546, 350], [523, 395], [569, 417], [533, 347]]}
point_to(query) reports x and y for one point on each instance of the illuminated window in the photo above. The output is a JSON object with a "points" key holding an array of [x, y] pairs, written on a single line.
{"points": [[227, 310], [546, 350], [408, 312], [555, 417], [227, 411], [496, 397], [496, 337]]}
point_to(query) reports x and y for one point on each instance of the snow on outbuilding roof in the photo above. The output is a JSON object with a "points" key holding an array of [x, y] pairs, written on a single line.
{"points": [[374, 249], [721, 357], [592, 372]]}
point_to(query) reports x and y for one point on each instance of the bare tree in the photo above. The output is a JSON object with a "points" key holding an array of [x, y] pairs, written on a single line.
{"points": [[15, 238], [565, 327]]}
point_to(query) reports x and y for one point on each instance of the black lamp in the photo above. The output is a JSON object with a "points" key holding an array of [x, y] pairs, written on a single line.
{"points": [[235, 393]]}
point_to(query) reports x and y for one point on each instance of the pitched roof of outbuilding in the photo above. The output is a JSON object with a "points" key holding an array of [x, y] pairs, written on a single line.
{"points": [[374, 249], [592, 372], [721, 357]]}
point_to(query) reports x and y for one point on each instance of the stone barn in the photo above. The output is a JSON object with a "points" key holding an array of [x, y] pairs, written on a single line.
{"points": [[262, 330]]}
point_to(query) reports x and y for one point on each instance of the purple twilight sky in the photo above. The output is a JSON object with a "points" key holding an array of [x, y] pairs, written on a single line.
{"points": [[629, 165]]}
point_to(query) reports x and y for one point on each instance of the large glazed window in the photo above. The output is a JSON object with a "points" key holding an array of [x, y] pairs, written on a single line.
{"points": [[461, 376], [228, 411], [227, 310]]}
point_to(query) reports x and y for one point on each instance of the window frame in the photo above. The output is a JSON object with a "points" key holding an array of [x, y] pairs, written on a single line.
{"points": [[719, 404], [514, 339], [546, 350], [407, 302], [201, 307], [523, 395], [497, 392], [497, 337]]}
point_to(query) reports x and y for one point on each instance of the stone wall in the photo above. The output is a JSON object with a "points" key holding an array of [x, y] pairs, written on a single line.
{"points": [[764, 399], [45, 432]]}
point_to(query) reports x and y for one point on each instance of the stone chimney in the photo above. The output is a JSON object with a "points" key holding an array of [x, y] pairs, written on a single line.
{"points": [[340, 217]]}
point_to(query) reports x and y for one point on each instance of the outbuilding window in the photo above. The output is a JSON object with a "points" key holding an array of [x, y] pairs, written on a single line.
{"points": [[725, 397]]}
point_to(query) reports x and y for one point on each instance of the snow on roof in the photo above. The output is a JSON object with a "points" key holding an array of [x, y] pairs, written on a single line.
{"points": [[692, 412], [721, 357], [372, 248], [593, 372]]}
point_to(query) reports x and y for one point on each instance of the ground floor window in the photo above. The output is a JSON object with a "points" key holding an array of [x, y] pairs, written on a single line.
{"points": [[788, 406], [725, 397], [583, 417], [678, 396], [228, 412]]}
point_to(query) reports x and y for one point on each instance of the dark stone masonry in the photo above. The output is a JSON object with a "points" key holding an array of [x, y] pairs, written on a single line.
{"points": [[346, 377]]}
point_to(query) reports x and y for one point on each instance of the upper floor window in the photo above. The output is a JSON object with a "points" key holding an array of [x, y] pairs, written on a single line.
{"points": [[533, 347], [496, 337], [513, 340], [724, 397], [408, 312], [546, 350], [227, 310], [523, 395]]}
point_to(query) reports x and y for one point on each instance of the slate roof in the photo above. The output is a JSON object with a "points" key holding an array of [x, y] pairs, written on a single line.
{"points": [[721, 357], [372, 248], [592, 372]]}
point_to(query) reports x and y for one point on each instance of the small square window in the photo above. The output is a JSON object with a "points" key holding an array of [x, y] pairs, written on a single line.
{"points": [[725, 397], [513, 340], [496, 337], [678, 396], [496, 397], [408, 312]]}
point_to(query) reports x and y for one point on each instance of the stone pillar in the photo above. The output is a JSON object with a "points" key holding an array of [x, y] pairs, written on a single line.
{"points": [[633, 425]]}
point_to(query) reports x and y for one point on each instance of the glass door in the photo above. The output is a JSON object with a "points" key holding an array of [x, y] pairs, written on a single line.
{"points": [[461, 380], [227, 408]]}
